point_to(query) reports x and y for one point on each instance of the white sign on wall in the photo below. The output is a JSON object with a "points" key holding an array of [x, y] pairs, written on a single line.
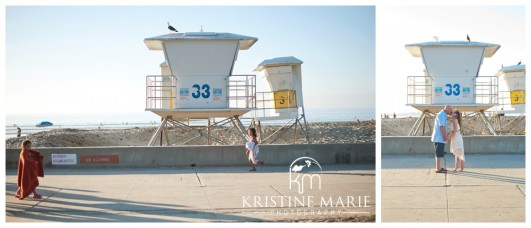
{"points": [[64, 159], [453, 90], [202, 92]]}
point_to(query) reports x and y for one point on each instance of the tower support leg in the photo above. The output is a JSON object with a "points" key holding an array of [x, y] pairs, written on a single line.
{"points": [[487, 122], [208, 132], [158, 131], [260, 131], [416, 126], [295, 132], [238, 125], [305, 129]]}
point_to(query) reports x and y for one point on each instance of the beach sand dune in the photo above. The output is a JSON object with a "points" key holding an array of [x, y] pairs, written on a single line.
{"points": [[320, 133], [472, 125]]}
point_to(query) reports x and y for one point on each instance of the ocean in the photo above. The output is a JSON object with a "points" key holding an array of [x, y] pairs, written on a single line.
{"points": [[28, 122]]}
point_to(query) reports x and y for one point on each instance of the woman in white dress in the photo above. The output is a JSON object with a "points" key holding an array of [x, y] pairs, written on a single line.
{"points": [[456, 145], [252, 150]]}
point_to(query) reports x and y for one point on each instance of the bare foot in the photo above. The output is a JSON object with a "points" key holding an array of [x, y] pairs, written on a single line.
{"points": [[36, 196], [18, 196]]}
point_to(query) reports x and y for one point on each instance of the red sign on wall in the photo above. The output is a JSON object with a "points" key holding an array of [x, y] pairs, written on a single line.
{"points": [[99, 159]]}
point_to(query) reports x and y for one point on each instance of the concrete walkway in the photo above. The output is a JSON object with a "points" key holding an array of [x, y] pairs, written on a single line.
{"points": [[193, 194], [491, 189]]}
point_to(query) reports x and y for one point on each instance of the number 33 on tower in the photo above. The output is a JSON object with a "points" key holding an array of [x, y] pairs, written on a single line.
{"points": [[454, 89]]}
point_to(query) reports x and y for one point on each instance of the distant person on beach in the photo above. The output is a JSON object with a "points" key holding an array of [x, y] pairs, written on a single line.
{"points": [[440, 137], [456, 144], [29, 169], [252, 150], [19, 132]]}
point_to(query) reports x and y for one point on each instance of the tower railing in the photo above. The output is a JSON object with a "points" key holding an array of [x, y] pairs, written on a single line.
{"points": [[242, 91], [487, 90], [508, 101], [162, 92], [267, 103], [419, 90], [504, 101]]}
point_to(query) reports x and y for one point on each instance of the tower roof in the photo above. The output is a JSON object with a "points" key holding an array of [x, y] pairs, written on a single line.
{"points": [[415, 49], [280, 61], [155, 43], [513, 68]]}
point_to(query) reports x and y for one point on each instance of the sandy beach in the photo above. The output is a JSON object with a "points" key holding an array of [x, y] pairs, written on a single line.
{"points": [[509, 125], [320, 133]]}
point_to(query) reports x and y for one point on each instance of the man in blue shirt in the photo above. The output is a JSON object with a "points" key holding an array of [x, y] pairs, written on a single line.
{"points": [[439, 136]]}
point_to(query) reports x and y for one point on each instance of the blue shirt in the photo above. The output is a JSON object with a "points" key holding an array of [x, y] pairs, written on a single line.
{"points": [[440, 120]]}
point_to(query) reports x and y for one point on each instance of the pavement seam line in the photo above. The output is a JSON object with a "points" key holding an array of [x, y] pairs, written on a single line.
{"points": [[523, 193], [276, 190], [198, 178], [44, 199], [446, 189], [208, 200], [203, 188], [281, 193], [447, 206]]}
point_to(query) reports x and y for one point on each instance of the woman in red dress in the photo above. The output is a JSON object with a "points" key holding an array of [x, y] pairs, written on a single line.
{"points": [[29, 169]]}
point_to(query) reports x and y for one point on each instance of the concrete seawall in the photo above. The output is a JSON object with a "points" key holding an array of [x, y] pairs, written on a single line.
{"points": [[141, 157], [473, 145]]}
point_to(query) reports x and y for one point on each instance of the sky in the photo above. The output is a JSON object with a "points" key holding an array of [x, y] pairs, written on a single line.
{"points": [[401, 25], [88, 59]]}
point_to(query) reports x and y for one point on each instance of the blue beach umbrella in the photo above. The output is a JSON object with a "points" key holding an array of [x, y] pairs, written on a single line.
{"points": [[44, 124]]}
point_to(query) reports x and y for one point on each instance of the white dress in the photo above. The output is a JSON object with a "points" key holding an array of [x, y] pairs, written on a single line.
{"points": [[456, 145], [254, 150]]}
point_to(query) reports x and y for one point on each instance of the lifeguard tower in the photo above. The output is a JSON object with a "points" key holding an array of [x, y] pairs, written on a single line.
{"points": [[451, 78], [283, 99], [511, 95], [197, 84], [512, 98]]}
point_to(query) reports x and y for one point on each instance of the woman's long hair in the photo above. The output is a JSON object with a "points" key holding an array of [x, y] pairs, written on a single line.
{"points": [[457, 115], [253, 134]]}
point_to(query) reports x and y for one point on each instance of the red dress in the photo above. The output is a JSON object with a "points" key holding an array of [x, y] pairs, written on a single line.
{"points": [[29, 169]]}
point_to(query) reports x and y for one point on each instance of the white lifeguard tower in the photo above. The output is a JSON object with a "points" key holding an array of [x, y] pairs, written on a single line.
{"points": [[512, 89], [511, 96], [197, 83], [283, 99], [451, 78]]}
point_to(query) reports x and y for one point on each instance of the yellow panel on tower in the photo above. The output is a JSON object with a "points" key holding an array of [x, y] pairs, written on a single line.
{"points": [[518, 97], [284, 99]]}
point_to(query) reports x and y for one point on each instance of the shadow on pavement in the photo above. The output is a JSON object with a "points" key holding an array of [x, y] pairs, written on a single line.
{"points": [[57, 206], [513, 180]]}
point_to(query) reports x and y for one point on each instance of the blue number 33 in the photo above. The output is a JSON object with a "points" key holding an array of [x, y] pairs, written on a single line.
{"points": [[454, 89], [197, 93]]}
